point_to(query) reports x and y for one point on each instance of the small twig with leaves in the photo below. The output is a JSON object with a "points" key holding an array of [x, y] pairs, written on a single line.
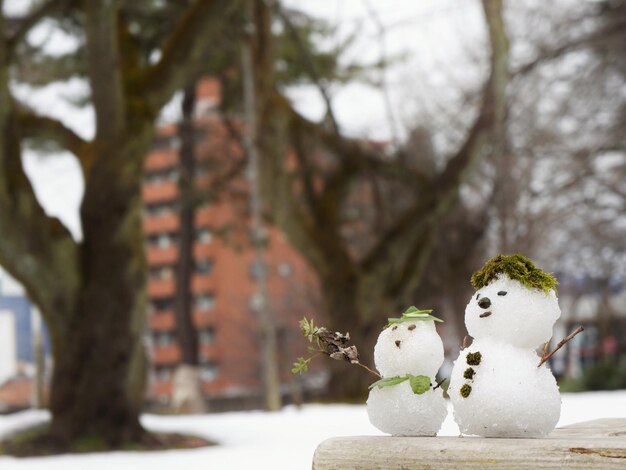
{"points": [[545, 355], [334, 345]]}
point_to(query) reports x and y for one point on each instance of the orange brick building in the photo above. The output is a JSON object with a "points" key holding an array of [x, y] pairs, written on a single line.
{"points": [[224, 279]]}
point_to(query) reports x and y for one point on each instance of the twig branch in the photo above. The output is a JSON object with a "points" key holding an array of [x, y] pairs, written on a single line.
{"points": [[466, 342], [26, 24], [545, 357], [309, 63], [33, 125], [369, 370], [440, 382]]}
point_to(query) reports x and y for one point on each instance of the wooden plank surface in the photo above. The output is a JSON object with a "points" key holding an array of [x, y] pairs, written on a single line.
{"points": [[599, 444]]}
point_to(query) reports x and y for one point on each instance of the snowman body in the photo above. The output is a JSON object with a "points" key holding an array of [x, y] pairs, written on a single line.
{"points": [[408, 348], [496, 388]]}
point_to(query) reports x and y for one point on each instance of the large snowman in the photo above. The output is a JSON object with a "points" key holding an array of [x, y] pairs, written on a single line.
{"points": [[496, 388], [408, 355]]}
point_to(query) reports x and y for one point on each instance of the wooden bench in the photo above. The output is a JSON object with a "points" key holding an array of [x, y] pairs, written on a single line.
{"points": [[599, 444]]}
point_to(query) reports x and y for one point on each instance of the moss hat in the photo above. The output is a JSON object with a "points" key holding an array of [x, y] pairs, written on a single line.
{"points": [[517, 267]]}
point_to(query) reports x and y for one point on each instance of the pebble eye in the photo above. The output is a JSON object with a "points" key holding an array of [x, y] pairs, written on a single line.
{"points": [[502, 292], [394, 328], [411, 327]]}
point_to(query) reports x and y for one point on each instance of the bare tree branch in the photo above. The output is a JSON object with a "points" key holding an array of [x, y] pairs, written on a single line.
{"points": [[33, 125], [305, 55], [382, 32], [36, 249], [25, 24], [594, 39], [182, 51]]}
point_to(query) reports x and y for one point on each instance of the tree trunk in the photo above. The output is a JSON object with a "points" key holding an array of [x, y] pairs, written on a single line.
{"points": [[187, 396], [98, 377]]}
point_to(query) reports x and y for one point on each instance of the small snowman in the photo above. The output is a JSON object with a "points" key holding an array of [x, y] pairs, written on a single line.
{"points": [[496, 386], [408, 354]]}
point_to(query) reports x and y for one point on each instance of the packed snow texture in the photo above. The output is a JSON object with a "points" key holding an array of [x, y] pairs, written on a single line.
{"points": [[398, 411], [420, 351], [506, 395], [278, 441], [522, 317], [510, 396], [407, 348]]}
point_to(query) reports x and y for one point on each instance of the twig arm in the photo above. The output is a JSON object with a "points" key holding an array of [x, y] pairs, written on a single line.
{"points": [[371, 371], [562, 343]]}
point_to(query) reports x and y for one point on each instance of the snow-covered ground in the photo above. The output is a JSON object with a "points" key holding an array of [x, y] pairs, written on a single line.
{"points": [[284, 440]]}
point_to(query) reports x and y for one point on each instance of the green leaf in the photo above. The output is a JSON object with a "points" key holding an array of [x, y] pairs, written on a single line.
{"points": [[300, 366], [414, 310], [414, 316], [388, 382], [419, 383]]}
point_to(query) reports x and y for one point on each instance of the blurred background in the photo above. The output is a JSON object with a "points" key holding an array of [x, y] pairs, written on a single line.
{"points": [[182, 182]]}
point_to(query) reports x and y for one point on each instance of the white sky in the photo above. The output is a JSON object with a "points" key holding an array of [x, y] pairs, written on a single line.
{"points": [[436, 39]]}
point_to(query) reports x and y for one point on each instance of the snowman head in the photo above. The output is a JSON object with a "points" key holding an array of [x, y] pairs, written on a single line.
{"points": [[515, 303], [409, 347]]}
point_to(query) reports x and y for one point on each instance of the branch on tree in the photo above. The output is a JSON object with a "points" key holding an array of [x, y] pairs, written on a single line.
{"points": [[360, 156], [33, 125], [25, 24], [305, 55], [182, 52], [487, 130], [306, 172], [592, 40], [36, 249], [546, 356]]}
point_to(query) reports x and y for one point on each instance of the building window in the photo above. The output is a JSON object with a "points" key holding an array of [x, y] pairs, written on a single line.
{"points": [[206, 336], [208, 371], [162, 374], [160, 209], [162, 240], [162, 272], [166, 142], [204, 235], [204, 266], [256, 302], [162, 304], [201, 170], [205, 302], [163, 338], [285, 269], [257, 268], [161, 176]]}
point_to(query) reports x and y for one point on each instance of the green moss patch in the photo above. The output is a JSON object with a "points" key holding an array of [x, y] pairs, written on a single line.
{"points": [[473, 359], [465, 390], [518, 268], [469, 373]]}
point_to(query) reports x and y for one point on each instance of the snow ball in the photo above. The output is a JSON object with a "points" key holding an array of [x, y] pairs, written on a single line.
{"points": [[409, 348], [396, 410], [507, 395], [510, 312]]}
